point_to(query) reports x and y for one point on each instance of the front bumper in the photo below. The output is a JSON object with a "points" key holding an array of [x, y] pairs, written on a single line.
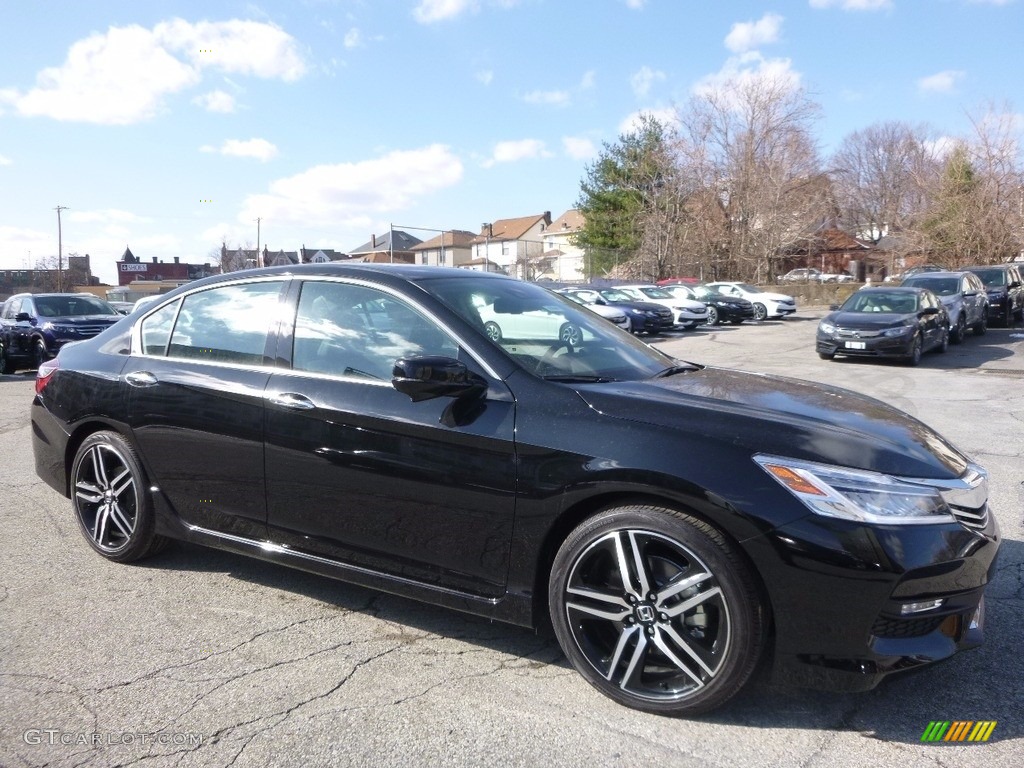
{"points": [[872, 346], [839, 600]]}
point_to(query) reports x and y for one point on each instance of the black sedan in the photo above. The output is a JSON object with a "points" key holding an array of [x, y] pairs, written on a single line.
{"points": [[898, 323], [644, 316], [721, 307], [677, 524]]}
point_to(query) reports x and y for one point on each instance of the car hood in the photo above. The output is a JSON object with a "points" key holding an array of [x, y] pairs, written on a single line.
{"points": [[769, 296], [646, 306], [82, 319], [867, 321], [783, 416], [691, 304]]}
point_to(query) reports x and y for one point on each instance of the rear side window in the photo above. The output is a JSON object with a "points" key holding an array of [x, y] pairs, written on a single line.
{"points": [[156, 330], [228, 324]]}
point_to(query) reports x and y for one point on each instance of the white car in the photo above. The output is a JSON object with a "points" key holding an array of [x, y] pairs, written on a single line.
{"points": [[766, 304], [544, 324], [686, 313], [613, 314]]}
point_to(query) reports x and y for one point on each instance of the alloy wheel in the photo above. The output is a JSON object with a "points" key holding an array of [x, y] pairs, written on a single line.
{"points": [[106, 497], [760, 311], [712, 316]]}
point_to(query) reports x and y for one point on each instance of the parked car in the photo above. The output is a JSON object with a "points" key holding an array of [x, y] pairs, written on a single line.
{"points": [[766, 303], [900, 277], [1004, 284], [677, 524], [34, 327], [835, 277], [644, 316], [122, 307], [964, 297], [686, 313], [721, 308], [900, 322], [616, 316], [802, 275], [547, 322]]}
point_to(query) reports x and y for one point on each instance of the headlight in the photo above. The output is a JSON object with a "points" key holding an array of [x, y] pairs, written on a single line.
{"points": [[903, 329], [858, 495], [721, 303], [826, 328], [651, 312]]}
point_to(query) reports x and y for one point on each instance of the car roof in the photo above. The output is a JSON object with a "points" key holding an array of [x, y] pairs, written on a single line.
{"points": [[943, 273]]}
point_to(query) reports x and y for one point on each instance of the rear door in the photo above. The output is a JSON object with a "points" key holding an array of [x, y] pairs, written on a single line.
{"points": [[358, 472], [196, 382]]}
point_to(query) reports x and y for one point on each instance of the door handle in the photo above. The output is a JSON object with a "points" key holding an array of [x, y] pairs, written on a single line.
{"points": [[293, 400], [140, 379]]}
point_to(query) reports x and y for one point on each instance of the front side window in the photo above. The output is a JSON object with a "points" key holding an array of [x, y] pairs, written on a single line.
{"points": [[354, 331], [226, 324]]}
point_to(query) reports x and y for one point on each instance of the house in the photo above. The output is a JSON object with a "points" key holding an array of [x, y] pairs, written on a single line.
{"points": [[512, 243], [321, 255], [562, 259], [395, 247], [453, 248], [832, 251]]}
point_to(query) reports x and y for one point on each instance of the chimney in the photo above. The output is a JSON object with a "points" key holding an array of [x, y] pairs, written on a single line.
{"points": [[547, 217], [373, 241], [177, 260], [154, 260]]}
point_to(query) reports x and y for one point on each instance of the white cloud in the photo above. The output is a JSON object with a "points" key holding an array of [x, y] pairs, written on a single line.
{"points": [[941, 147], [553, 98], [636, 5], [20, 246], [216, 101], [260, 149], [853, 5], [124, 75], [643, 79], [513, 151], [4, 160], [429, 11], [485, 76], [105, 216], [747, 35], [353, 38], [341, 194], [579, 147], [665, 115], [941, 82], [749, 67], [588, 80], [246, 47]]}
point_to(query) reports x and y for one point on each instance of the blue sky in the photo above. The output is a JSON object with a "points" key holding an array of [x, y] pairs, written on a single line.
{"points": [[169, 126]]}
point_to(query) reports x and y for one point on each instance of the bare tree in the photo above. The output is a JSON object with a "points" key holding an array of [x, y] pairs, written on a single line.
{"points": [[749, 143]]}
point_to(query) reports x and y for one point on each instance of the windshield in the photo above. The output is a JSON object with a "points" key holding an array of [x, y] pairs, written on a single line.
{"points": [[616, 297], [893, 302], [72, 306], [991, 277], [546, 334], [944, 286], [655, 293], [749, 288]]}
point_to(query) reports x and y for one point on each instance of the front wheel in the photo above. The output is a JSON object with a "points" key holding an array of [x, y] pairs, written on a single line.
{"points": [[827, 355], [959, 331], [656, 610], [712, 316], [493, 331], [570, 335], [760, 312], [110, 500], [916, 348], [39, 355], [981, 327], [6, 366]]}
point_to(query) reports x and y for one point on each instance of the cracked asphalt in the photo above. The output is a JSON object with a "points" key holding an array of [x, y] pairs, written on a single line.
{"points": [[203, 658]]}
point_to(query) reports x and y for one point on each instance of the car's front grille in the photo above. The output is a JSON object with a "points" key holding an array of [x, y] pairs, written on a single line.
{"points": [[851, 333], [884, 627], [972, 518], [88, 331]]}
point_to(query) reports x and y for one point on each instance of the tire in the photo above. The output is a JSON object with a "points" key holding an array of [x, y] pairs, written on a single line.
{"points": [[635, 632], [957, 334], [493, 331], [713, 318], [981, 327], [738, 321], [39, 355], [570, 335], [760, 312], [6, 366], [110, 500], [916, 348], [944, 344]]}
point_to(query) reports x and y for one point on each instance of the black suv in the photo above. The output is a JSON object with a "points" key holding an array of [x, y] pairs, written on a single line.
{"points": [[1005, 286], [33, 327]]}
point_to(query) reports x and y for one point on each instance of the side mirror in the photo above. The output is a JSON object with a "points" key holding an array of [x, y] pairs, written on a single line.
{"points": [[833, 307], [929, 311], [23, 317], [431, 376]]}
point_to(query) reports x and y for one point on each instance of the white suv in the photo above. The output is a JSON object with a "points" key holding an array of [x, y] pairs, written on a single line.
{"points": [[686, 313]]}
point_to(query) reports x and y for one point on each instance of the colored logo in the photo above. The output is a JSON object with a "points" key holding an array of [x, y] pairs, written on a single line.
{"points": [[958, 730]]}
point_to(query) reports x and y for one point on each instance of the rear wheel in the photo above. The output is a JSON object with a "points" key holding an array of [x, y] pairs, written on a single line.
{"points": [[110, 500], [656, 610], [570, 335], [760, 312], [981, 327], [493, 331]]}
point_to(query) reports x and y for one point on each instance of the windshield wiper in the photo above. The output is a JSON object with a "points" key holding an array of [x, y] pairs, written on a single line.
{"points": [[673, 370], [579, 378]]}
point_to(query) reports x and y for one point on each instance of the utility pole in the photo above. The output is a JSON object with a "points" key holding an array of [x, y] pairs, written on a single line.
{"points": [[259, 259], [60, 251]]}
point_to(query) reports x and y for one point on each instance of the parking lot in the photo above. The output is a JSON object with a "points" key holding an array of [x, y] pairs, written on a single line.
{"points": [[204, 658]]}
